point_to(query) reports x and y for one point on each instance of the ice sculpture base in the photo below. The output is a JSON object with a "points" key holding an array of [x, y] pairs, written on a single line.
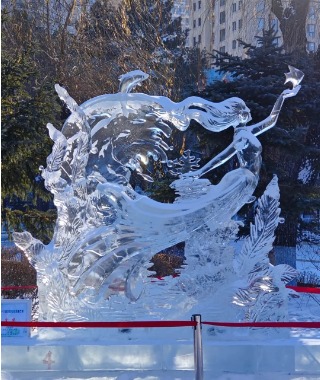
{"points": [[163, 359]]}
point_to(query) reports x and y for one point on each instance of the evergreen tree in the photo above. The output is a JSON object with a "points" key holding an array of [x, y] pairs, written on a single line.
{"points": [[27, 106], [189, 73], [258, 80]]}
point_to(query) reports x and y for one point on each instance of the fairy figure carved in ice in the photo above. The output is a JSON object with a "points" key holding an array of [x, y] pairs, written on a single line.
{"points": [[105, 231], [210, 260], [245, 145]]}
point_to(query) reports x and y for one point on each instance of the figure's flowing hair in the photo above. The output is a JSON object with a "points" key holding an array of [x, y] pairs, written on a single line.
{"points": [[215, 117]]}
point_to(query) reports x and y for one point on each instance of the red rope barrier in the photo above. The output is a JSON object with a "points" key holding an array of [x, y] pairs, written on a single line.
{"points": [[146, 324], [302, 289], [310, 325], [121, 325]]}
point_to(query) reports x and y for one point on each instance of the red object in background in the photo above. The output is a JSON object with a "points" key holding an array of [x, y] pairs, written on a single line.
{"points": [[302, 289], [19, 287], [120, 325], [148, 324]]}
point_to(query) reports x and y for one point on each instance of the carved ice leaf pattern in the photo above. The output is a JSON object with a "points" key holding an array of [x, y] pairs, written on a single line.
{"points": [[285, 272], [254, 253], [80, 157], [56, 157], [264, 295]]}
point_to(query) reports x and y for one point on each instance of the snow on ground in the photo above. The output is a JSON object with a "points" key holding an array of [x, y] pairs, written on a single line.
{"points": [[164, 376], [159, 375], [308, 259]]}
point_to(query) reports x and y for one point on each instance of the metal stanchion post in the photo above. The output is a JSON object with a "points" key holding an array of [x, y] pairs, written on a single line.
{"points": [[198, 352]]}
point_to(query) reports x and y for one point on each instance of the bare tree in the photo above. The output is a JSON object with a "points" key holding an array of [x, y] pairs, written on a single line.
{"points": [[292, 17], [86, 45]]}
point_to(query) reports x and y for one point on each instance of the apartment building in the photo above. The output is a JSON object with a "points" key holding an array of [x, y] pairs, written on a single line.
{"points": [[313, 26], [219, 24], [181, 9], [228, 26], [201, 21]]}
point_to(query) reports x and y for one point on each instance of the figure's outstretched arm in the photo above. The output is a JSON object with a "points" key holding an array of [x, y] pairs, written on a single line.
{"points": [[294, 76], [272, 119]]}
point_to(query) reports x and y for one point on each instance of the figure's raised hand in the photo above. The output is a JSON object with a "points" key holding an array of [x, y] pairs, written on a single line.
{"points": [[289, 93]]}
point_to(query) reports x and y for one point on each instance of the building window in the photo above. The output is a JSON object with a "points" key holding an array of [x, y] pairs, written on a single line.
{"points": [[234, 7], [276, 41], [222, 17], [194, 41], [311, 28], [240, 24], [199, 39], [240, 5], [234, 44], [311, 46], [274, 24], [234, 25], [194, 7], [222, 49], [222, 3], [260, 23], [194, 23], [312, 13], [199, 4], [199, 21], [222, 34]]}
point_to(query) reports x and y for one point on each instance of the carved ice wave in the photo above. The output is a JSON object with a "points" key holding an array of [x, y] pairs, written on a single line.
{"points": [[106, 232]]}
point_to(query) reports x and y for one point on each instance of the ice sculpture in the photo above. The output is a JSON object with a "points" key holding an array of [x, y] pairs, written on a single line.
{"points": [[96, 265]]}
